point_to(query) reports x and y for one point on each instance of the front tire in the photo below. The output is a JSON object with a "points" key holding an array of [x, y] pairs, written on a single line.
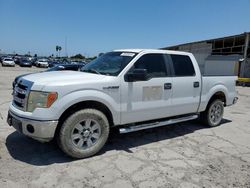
{"points": [[213, 114], [83, 133]]}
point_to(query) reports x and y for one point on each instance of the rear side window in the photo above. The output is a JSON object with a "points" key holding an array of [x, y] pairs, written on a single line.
{"points": [[154, 63], [183, 65]]}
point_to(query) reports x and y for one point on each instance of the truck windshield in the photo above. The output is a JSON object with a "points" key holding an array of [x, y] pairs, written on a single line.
{"points": [[111, 63]]}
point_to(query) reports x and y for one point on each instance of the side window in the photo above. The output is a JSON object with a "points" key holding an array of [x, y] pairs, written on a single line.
{"points": [[183, 65], [154, 63]]}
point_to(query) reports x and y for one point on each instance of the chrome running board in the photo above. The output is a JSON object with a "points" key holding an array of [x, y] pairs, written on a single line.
{"points": [[133, 128]]}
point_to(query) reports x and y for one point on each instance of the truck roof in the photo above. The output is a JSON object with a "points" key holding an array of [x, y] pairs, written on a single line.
{"points": [[153, 51]]}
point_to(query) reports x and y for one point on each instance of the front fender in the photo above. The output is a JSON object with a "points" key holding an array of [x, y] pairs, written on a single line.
{"points": [[63, 103]]}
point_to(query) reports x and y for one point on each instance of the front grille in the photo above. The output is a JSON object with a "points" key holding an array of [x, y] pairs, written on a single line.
{"points": [[20, 93], [21, 86]]}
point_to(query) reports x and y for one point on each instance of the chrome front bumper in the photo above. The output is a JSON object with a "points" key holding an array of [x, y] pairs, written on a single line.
{"points": [[42, 131]]}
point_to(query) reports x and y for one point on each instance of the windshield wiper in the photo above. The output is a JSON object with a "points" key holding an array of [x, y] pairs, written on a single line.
{"points": [[92, 71]]}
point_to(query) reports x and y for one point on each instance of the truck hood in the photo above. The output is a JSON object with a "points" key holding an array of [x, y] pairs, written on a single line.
{"points": [[59, 78]]}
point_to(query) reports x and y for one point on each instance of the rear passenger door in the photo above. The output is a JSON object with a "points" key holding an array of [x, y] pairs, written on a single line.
{"points": [[186, 85], [149, 99]]}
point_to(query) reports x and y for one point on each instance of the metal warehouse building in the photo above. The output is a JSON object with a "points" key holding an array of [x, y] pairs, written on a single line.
{"points": [[221, 56]]}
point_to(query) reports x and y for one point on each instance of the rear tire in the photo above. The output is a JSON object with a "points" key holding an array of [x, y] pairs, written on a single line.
{"points": [[83, 133], [213, 114]]}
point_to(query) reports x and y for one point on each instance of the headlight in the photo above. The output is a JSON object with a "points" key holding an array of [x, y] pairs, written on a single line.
{"points": [[39, 99]]}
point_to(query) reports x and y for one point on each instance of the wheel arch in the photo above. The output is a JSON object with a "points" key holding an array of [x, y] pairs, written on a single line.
{"points": [[83, 105], [218, 91], [218, 95]]}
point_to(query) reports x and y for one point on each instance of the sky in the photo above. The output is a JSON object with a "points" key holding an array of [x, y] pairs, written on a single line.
{"points": [[90, 27]]}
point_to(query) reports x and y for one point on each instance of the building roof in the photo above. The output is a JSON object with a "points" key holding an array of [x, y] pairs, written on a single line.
{"points": [[208, 40]]}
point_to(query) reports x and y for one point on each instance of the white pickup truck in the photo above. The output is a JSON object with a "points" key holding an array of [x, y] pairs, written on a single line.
{"points": [[134, 89]]}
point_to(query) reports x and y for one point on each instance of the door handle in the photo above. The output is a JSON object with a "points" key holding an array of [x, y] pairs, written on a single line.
{"points": [[167, 86], [196, 84]]}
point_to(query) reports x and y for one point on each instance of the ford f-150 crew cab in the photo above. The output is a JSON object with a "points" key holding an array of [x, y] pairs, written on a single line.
{"points": [[133, 89]]}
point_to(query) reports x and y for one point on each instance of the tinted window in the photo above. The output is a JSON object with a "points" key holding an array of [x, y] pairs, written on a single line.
{"points": [[183, 65], [111, 63], [154, 63]]}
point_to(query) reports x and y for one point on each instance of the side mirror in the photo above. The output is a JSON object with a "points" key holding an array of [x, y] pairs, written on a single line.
{"points": [[136, 75]]}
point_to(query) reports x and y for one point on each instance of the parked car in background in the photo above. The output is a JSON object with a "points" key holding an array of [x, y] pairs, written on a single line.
{"points": [[42, 63], [29, 58], [78, 62], [61, 67], [8, 62], [17, 60], [53, 63], [33, 61], [64, 67], [25, 63]]}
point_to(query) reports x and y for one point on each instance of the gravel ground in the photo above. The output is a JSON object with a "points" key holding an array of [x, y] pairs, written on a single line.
{"points": [[182, 155]]}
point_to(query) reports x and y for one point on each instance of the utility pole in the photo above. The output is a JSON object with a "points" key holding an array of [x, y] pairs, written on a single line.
{"points": [[243, 65], [65, 46]]}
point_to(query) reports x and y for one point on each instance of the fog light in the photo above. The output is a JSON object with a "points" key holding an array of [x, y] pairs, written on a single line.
{"points": [[30, 128]]}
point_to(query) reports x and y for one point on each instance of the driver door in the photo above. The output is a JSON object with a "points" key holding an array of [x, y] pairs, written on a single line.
{"points": [[149, 99]]}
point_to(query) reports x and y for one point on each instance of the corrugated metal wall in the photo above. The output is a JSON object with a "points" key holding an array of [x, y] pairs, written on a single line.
{"points": [[225, 47]]}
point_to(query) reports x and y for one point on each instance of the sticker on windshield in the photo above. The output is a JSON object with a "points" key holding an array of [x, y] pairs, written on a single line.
{"points": [[127, 54]]}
